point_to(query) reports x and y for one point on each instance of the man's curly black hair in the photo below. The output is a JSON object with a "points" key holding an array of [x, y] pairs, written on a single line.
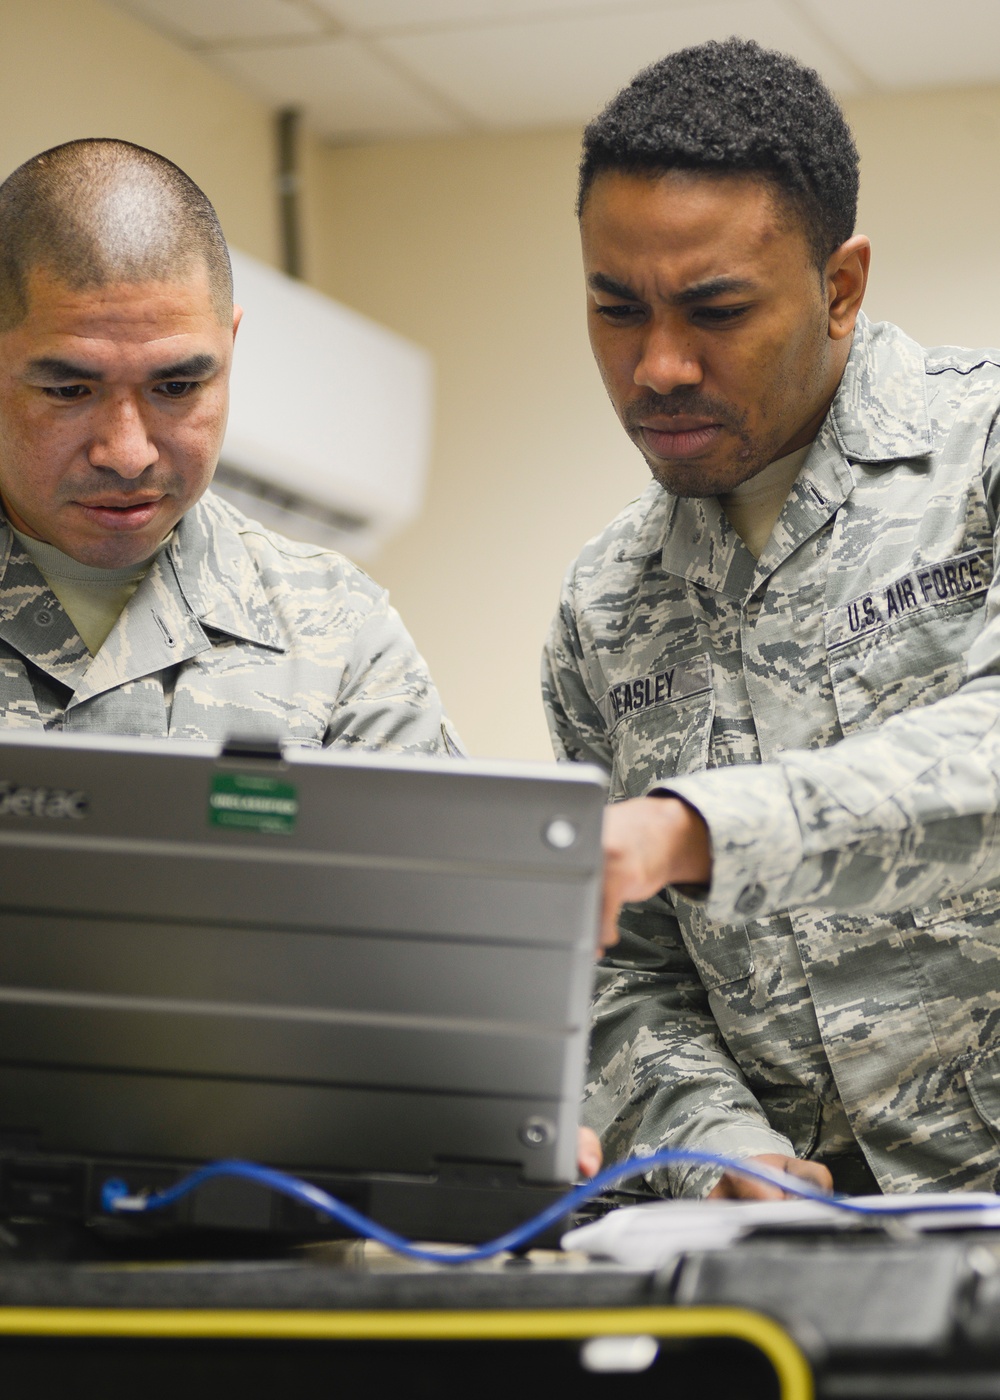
{"points": [[735, 108]]}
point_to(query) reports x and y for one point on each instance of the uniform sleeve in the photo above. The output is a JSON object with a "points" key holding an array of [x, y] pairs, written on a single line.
{"points": [[660, 1074], [883, 821], [387, 700], [897, 817]]}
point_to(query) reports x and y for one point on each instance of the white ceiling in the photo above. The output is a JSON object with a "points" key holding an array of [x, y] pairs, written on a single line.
{"points": [[365, 70]]}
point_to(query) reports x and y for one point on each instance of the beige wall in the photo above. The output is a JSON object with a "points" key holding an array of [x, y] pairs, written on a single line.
{"points": [[71, 68], [470, 246], [930, 199]]}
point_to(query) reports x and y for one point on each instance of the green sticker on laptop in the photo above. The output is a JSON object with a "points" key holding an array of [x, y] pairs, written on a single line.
{"points": [[252, 803]]}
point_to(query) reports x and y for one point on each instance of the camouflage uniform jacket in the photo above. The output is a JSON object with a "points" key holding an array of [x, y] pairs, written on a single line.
{"points": [[234, 630], [833, 711]]}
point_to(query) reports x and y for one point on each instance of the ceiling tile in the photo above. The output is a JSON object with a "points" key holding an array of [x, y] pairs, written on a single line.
{"points": [[374, 16], [916, 43], [347, 92], [549, 71], [210, 21]]}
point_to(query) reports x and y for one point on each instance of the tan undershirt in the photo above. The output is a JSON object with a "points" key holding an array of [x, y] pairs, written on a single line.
{"points": [[753, 507], [93, 598]]}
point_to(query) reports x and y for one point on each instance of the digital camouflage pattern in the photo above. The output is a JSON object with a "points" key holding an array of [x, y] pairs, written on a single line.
{"points": [[840, 981], [234, 631]]}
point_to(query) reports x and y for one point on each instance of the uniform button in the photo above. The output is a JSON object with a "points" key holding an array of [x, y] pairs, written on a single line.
{"points": [[751, 898], [43, 617]]}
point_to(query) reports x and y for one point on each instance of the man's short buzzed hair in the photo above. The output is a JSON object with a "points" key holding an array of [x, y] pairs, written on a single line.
{"points": [[100, 211], [735, 108]]}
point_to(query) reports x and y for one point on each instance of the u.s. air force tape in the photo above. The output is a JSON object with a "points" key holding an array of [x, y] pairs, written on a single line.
{"points": [[930, 586]]}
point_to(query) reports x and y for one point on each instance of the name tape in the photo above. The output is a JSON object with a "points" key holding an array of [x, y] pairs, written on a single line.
{"points": [[666, 687]]}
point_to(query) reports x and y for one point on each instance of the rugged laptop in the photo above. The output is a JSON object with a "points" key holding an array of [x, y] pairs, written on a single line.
{"points": [[372, 972]]}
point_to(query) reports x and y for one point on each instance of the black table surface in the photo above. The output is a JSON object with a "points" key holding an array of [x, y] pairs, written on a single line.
{"points": [[877, 1314]]}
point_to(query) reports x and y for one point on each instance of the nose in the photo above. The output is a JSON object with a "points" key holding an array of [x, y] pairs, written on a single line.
{"points": [[121, 442], [668, 360]]}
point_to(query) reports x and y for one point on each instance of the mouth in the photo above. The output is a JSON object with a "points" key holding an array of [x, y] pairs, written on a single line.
{"points": [[680, 437], [121, 514]]}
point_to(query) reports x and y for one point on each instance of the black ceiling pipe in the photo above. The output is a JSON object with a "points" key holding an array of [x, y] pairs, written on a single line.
{"points": [[287, 128]]}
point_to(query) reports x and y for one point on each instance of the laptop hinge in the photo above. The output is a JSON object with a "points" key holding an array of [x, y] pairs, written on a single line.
{"points": [[242, 749]]}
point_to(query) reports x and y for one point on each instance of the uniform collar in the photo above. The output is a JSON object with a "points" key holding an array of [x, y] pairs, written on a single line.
{"points": [[880, 413], [32, 620], [217, 577], [694, 537]]}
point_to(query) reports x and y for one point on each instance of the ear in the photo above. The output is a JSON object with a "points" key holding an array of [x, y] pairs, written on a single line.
{"points": [[237, 318], [845, 278]]}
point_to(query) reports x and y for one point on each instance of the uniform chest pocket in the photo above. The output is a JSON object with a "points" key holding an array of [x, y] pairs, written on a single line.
{"points": [[721, 953], [974, 915], [955, 950], [905, 644], [660, 725]]}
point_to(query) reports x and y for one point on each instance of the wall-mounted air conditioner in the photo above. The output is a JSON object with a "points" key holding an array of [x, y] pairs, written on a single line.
{"points": [[330, 422]]}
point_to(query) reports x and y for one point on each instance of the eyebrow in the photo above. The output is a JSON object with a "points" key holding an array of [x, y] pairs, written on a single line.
{"points": [[698, 291], [196, 367], [56, 371], [600, 282], [713, 287]]}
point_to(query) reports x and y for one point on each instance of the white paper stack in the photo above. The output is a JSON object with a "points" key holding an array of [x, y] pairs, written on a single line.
{"points": [[650, 1236]]}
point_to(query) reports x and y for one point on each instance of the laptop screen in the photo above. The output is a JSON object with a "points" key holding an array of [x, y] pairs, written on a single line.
{"points": [[327, 962]]}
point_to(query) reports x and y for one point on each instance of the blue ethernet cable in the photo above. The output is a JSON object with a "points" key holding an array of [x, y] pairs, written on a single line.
{"points": [[116, 1200]]}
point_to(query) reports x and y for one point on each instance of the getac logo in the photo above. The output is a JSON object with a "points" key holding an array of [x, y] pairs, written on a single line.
{"points": [[41, 802]]}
